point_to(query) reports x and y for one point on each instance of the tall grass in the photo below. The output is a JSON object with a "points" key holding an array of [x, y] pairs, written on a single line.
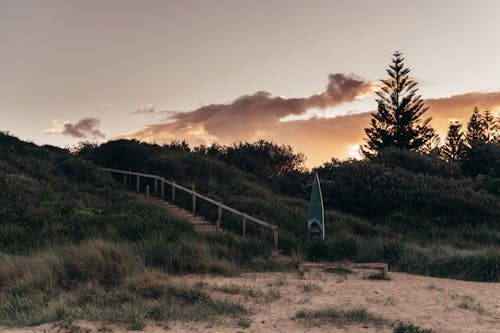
{"points": [[444, 261], [104, 262], [107, 280]]}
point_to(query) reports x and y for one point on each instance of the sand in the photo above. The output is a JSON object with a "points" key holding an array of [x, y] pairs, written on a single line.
{"points": [[425, 301]]}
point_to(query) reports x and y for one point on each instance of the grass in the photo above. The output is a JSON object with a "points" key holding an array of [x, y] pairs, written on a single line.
{"points": [[231, 289], [244, 322], [270, 295], [100, 281], [279, 282], [434, 287], [378, 276], [309, 287], [469, 303], [341, 316], [410, 328], [68, 229]]}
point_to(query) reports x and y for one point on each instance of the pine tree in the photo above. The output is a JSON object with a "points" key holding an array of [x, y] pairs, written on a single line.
{"points": [[475, 129], [489, 126], [453, 148], [398, 119]]}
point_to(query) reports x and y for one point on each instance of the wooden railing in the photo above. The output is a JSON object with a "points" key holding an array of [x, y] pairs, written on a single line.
{"points": [[160, 182]]}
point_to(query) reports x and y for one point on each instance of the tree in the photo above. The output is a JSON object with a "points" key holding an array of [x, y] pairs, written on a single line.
{"points": [[489, 126], [398, 120], [475, 129], [453, 148]]}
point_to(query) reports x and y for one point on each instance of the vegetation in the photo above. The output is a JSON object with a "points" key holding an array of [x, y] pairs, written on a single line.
{"points": [[332, 315], [394, 208], [398, 122], [378, 276], [453, 149], [67, 228], [410, 328], [106, 281]]}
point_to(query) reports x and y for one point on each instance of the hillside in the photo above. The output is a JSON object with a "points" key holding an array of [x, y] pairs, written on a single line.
{"points": [[419, 209], [74, 244]]}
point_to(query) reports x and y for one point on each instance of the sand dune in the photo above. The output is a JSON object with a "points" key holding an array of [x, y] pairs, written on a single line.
{"points": [[447, 306]]}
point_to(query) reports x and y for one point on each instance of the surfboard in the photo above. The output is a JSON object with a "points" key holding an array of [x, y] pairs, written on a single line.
{"points": [[316, 214]]}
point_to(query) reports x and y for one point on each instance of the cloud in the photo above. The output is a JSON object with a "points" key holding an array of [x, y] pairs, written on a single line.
{"points": [[258, 116], [107, 105], [86, 128], [459, 107], [249, 116], [149, 108]]}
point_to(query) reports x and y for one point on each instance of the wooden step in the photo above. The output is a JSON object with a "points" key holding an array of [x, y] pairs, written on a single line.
{"points": [[199, 223]]}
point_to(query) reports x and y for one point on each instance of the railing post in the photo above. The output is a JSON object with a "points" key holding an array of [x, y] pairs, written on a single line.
{"points": [[194, 198], [173, 191], [219, 218], [138, 184], [147, 190], [156, 187], [162, 194], [244, 225], [125, 180], [275, 236]]}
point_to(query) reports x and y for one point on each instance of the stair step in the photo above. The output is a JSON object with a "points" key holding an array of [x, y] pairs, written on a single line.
{"points": [[205, 229], [198, 223]]}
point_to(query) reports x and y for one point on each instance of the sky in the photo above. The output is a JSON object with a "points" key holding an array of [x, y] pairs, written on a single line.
{"points": [[300, 73]]}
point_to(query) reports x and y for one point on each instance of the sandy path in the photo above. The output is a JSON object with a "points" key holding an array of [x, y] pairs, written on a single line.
{"points": [[425, 301]]}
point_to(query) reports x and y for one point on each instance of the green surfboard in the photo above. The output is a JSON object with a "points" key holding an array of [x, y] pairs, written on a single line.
{"points": [[316, 215]]}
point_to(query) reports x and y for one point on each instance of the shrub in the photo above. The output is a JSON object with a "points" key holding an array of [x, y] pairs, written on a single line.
{"points": [[96, 260], [41, 271]]}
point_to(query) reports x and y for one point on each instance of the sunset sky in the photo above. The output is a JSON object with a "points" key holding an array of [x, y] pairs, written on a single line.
{"points": [[296, 72]]}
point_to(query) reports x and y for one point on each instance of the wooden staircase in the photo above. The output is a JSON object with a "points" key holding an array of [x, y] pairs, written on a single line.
{"points": [[199, 223], [157, 185]]}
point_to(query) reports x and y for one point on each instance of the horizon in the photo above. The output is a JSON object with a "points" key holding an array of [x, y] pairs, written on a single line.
{"points": [[161, 71]]}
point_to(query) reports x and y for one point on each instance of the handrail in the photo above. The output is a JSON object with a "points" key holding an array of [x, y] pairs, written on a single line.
{"points": [[220, 205]]}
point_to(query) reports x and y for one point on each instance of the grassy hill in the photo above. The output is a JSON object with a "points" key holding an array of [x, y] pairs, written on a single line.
{"points": [[67, 227]]}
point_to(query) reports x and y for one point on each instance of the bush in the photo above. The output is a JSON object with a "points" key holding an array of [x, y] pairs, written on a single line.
{"points": [[474, 265], [341, 247], [375, 190], [186, 255], [103, 262], [21, 274]]}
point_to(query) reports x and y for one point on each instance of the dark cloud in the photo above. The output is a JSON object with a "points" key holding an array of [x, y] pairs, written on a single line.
{"points": [[257, 116], [250, 114], [86, 128]]}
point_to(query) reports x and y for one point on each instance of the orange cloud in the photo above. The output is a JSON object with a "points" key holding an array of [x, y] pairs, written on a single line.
{"points": [[257, 116]]}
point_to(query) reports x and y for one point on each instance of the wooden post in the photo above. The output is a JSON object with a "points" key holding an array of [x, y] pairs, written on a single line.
{"points": [[147, 190], [125, 180], [244, 225], [162, 194], [219, 218], [138, 185], [275, 236], [173, 192], [156, 187], [194, 198]]}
